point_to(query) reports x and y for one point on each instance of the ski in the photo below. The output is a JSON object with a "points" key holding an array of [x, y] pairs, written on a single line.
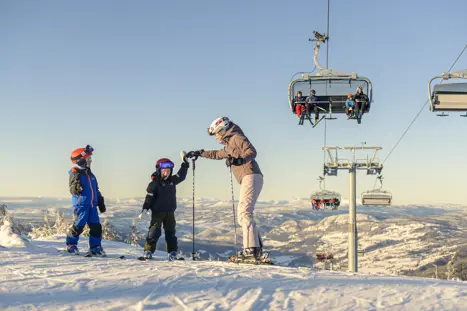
{"points": [[359, 117], [264, 259], [251, 261], [319, 121], [142, 258], [88, 254]]}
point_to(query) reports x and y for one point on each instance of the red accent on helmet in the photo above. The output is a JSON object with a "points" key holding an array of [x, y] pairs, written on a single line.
{"points": [[79, 154], [158, 163]]}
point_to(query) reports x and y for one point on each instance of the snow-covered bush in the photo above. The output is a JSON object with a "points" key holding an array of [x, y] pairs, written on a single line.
{"points": [[15, 226], [109, 232], [135, 235], [11, 232], [43, 231]]}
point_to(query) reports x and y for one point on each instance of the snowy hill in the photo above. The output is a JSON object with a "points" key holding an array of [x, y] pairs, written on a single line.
{"points": [[404, 240], [35, 276]]}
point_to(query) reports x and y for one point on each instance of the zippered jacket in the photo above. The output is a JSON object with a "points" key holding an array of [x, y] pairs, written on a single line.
{"points": [[83, 188]]}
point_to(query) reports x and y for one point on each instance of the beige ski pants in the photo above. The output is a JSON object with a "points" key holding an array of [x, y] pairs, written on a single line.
{"points": [[249, 192]]}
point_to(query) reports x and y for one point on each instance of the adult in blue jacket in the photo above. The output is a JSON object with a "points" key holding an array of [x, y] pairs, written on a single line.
{"points": [[86, 199]]}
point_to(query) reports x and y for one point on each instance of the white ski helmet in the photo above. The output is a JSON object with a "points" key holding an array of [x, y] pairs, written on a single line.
{"points": [[219, 125]]}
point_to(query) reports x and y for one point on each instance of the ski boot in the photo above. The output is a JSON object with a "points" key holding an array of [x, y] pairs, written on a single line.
{"points": [[251, 255], [97, 251], [255, 252], [73, 249], [147, 255], [174, 256]]}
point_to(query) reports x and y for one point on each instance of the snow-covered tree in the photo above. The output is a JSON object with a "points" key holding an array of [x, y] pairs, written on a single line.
{"points": [[109, 232], [43, 231], [134, 236], [61, 224], [16, 227]]}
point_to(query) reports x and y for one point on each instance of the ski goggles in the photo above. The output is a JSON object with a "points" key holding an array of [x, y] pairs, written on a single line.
{"points": [[87, 152], [89, 149], [166, 165]]}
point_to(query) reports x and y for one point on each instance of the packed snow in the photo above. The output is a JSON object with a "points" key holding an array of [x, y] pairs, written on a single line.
{"points": [[34, 275], [40, 278]]}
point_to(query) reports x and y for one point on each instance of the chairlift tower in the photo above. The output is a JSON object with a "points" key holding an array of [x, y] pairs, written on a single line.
{"points": [[331, 168]]}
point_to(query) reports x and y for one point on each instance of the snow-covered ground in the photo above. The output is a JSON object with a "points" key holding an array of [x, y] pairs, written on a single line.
{"points": [[397, 239], [34, 276]]}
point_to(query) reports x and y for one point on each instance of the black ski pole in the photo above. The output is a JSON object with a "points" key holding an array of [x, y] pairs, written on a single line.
{"points": [[234, 216], [193, 252]]}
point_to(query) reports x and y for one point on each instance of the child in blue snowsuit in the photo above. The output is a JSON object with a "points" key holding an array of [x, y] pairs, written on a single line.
{"points": [[349, 106], [86, 199]]}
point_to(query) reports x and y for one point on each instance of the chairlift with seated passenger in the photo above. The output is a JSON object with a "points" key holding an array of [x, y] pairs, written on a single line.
{"points": [[378, 196], [448, 97], [331, 88], [325, 199]]}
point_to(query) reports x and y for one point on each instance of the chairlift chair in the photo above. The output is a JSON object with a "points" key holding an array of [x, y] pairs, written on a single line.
{"points": [[326, 196], [378, 196], [448, 97], [331, 86]]}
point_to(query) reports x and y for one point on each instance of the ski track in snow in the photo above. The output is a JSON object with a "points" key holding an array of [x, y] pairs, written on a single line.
{"points": [[40, 278]]}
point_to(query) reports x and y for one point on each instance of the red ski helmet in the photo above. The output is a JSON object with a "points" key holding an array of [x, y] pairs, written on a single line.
{"points": [[164, 163], [161, 164], [78, 156]]}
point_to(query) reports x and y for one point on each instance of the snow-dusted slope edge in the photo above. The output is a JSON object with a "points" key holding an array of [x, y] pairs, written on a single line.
{"points": [[37, 277]]}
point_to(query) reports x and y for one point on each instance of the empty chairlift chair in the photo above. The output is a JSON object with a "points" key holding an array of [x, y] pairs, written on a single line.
{"points": [[448, 97], [377, 197]]}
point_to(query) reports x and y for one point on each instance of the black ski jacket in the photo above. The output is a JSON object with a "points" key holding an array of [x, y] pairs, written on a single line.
{"points": [[161, 194]]}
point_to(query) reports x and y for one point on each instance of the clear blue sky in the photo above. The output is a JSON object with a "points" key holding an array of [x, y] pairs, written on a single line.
{"points": [[143, 80]]}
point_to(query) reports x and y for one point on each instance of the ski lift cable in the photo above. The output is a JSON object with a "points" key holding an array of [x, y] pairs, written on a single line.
{"points": [[423, 107]]}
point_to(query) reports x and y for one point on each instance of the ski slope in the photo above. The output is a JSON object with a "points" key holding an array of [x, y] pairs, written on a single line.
{"points": [[34, 276], [401, 239]]}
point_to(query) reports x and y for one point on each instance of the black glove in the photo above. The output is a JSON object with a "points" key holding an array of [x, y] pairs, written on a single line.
{"points": [[194, 154], [234, 161], [148, 202], [101, 204]]}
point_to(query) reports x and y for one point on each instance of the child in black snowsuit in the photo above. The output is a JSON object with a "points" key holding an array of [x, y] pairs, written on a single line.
{"points": [[161, 199]]}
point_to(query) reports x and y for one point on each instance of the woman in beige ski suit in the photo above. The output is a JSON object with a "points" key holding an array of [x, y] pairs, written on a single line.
{"points": [[240, 155]]}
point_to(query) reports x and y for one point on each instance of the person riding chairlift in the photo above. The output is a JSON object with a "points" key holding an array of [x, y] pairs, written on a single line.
{"points": [[349, 106], [298, 104], [312, 103], [361, 101]]}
